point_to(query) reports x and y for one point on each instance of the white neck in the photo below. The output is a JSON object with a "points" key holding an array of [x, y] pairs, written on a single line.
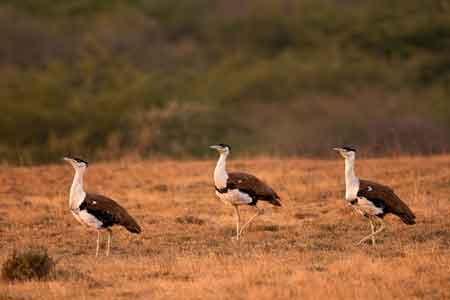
{"points": [[220, 172], [77, 193], [351, 181]]}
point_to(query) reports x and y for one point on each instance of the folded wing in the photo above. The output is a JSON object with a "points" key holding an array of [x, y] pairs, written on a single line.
{"points": [[109, 212], [384, 195], [253, 186]]}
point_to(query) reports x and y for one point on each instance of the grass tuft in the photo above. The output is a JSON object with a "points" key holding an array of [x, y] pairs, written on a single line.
{"points": [[302, 216], [271, 227]]}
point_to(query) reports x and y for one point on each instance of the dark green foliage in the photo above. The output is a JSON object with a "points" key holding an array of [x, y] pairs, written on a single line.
{"points": [[30, 264], [105, 78]]}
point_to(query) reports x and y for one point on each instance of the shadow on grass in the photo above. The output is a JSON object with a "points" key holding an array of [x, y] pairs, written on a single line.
{"points": [[190, 220]]}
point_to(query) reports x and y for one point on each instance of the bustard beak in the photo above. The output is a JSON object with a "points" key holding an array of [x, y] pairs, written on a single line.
{"points": [[215, 147], [337, 149], [68, 159]]}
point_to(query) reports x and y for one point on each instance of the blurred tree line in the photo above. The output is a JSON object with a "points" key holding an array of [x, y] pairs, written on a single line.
{"points": [[105, 78]]}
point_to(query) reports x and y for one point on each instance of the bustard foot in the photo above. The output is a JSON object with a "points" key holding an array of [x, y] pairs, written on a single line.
{"points": [[98, 243], [259, 211], [108, 249], [363, 240], [374, 232], [366, 238]]}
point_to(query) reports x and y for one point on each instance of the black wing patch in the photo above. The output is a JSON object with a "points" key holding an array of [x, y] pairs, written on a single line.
{"points": [[104, 216], [378, 203]]}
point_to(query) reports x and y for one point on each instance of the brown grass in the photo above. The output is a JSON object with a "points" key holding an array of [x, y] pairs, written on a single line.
{"points": [[306, 249]]}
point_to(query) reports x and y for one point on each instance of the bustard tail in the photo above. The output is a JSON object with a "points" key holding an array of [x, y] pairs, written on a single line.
{"points": [[402, 210], [131, 225], [275, 201], [408, 218]]}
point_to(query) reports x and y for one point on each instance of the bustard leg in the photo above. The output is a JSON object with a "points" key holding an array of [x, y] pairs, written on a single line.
{"points": [[372, 226], [98, 242], [109, 241], [382, 227], [238, 221], [259, 211]]}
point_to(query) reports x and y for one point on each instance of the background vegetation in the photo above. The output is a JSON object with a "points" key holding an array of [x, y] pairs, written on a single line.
{"points": [[168, 77]]}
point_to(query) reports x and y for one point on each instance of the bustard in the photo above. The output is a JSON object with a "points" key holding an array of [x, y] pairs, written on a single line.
{"points": [[237, 188], [96, 211], [371, 199]]}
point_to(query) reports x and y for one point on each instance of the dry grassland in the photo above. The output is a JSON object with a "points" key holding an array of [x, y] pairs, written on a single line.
{"points": [[304, 250]]}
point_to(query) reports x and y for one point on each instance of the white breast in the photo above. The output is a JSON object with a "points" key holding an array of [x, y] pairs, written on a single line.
{"points": [[77, 217], [220, 172], [89, 219], [367, 207], [351, 190], [234, 197], [220, 179]]}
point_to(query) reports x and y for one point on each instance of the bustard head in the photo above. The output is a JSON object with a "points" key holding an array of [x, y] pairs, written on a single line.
{"points": [[346, 152], [221, 148], [77, 163]]}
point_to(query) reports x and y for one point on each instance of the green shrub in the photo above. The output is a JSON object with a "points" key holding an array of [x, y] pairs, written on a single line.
{"points": [[33, 263]]}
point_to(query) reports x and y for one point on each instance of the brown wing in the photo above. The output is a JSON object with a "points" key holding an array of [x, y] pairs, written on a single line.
{"points": [[382, 195], [109, 212], [256, 188]]}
